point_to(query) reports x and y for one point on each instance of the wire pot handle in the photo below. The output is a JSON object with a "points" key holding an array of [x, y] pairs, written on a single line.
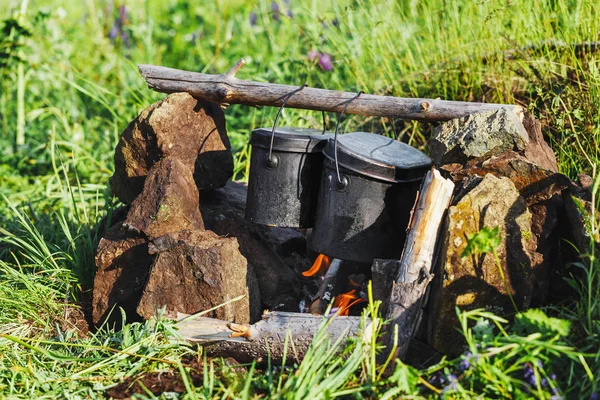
{"points": [[272, 162], [287, 97], [341, 183]]}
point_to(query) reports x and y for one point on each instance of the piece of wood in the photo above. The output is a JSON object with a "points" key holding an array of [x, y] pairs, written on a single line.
{"points": [[433, 201], [247, 343], [414, 273], [327, 288], [226, 89]]}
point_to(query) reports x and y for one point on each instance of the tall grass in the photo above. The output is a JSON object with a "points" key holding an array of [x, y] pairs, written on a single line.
{"points": [[70, 86]]}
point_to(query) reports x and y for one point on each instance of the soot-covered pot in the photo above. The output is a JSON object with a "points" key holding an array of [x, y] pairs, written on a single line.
{"points": [[363, 213], [285, 178]]}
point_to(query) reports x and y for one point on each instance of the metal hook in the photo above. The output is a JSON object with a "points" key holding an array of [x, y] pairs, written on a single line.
{"points": [[287, 97], [335, 141]]}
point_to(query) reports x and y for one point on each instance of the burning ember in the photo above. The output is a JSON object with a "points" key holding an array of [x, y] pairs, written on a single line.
{"points": [[320, 266]]}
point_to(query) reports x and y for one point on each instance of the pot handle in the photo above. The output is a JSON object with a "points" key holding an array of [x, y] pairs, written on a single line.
{"points": [[274, 161], [341, 183]]}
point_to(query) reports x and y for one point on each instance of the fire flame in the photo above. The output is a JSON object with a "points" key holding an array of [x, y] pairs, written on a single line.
{"points": [[346, 300], [320, 265]]}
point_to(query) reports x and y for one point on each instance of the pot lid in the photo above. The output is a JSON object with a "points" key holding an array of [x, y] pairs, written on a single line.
{"points": [[296, 140], [379, 157]]}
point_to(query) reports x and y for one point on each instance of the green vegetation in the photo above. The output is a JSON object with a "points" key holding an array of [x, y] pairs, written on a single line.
{"points": [[70, 86]]}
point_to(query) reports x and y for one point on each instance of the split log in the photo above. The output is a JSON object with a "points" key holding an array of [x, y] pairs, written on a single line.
{"points": [[227, 89], [266, 338], [414, 273]]}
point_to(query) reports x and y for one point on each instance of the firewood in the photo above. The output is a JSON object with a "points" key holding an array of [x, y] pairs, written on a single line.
{"points": [[266, 338], [227, 89], [414, 273]]}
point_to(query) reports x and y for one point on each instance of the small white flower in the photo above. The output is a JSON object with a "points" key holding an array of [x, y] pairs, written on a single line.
{"points": [[61, 13]]}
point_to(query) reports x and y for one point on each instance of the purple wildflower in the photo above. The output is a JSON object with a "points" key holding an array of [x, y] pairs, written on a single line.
{"points": [[313, 55], [452, 385], [253, 18], [437, 379], [594, 396], [335, 22], [464, 365], [326, 62], [290, 14], [117, 29], [529, 374], [275, 10]]}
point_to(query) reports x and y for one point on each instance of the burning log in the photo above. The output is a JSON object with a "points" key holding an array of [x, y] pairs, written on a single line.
{"points": [[227, 89], [267, 338], [407, 291], [326, 290]]}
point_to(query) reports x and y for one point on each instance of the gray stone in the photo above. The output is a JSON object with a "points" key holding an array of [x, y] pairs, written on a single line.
{"points": [[478, 135]]}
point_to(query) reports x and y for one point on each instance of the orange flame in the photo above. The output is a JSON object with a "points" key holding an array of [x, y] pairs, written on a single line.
{"points": [[346, 300], [320, 265]]}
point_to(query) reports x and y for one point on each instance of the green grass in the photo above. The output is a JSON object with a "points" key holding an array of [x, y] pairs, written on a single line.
{"points": [[68, 90]]}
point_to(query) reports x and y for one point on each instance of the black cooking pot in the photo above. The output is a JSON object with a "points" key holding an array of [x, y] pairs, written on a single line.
{"points": [[284, 182], [363, 210]]}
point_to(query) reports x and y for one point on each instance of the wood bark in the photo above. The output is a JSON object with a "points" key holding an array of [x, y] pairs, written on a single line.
{"points": [[266, 338], [227, 89], [413, 276]]}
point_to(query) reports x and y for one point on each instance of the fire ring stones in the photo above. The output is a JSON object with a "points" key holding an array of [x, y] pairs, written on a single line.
{"points": [[180, 126]]}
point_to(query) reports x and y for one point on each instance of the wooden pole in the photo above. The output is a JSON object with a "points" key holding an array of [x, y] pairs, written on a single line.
{"points": [[227, 89]]}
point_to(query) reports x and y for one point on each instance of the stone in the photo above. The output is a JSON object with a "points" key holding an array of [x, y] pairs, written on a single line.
{"points": [[168, 203], [478, 135], [478, 281], [534, 183], [122, 265], [544, 226], [195, 271], [178, 126], [537, 150], [541, 189], [273, 253], [578, 208]]}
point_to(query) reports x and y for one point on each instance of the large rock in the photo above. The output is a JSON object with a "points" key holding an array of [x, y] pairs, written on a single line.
{"points": [[122, 264], [273, 253], [478, 135], [478, 281], [168, 203], [179, 126], [541, 190], [196, 271]]}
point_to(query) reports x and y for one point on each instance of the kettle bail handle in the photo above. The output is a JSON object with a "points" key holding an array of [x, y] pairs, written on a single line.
{"points": [[287, 97], [341, 183]]}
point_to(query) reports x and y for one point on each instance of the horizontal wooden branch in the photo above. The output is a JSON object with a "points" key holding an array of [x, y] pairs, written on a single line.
{"points": [[266, 338], [227, 89]]}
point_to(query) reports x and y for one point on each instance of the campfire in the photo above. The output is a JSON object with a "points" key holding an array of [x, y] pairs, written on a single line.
{"points": [[373, 209]]}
